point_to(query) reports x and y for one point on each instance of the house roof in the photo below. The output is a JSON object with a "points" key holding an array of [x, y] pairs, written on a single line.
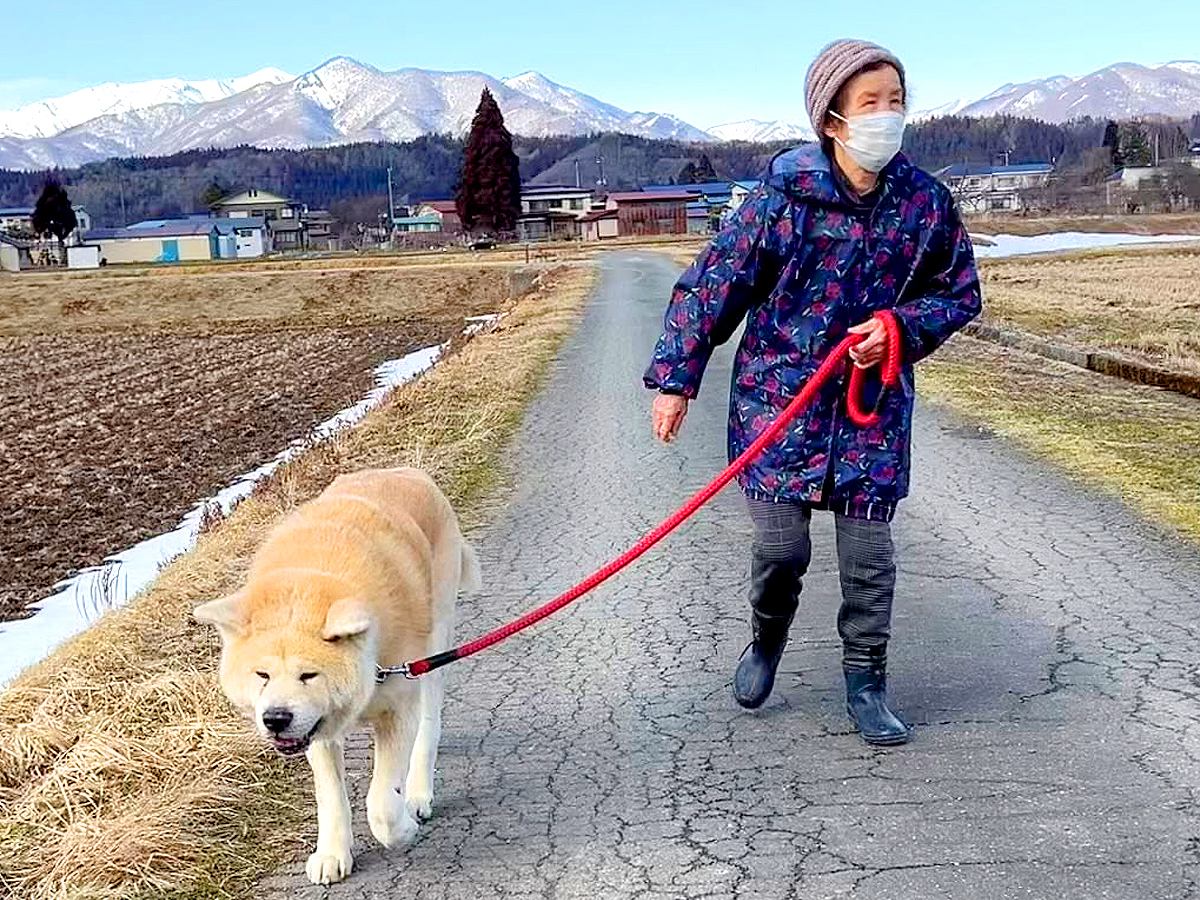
{"points": [[165, 229], [707, 188], [223, 226], [961, 170], [251, 197], [535, 190], [598, 214], [17, 211], [549, 214], [748, 185], [442, 206], [416, 220], [649, 196]]}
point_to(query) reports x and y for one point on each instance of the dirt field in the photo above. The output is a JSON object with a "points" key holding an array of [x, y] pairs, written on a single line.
{"points": [[123, 771], [128, 398], [1142, 302]]}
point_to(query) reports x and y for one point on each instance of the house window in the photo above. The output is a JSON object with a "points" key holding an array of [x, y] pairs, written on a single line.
{"points": [[996, 203], [974, 182], [287, 213], [539, 205], [577, 203], [1006, 183]]}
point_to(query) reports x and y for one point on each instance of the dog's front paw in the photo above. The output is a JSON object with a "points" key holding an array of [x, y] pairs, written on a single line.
{"points": [[327, 868], [392, 825], [419, 804]]}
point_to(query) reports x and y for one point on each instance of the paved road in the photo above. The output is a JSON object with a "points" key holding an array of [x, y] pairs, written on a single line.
{"points": [[1045, 645]]}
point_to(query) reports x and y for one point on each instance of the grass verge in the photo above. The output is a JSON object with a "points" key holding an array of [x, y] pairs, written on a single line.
{"points": [[1140, 444], [122, 771]]}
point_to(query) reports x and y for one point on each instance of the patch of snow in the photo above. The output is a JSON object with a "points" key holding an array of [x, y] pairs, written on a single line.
{"points": [[762, 131], [78, 600], [478, 324], [1017, 245]]}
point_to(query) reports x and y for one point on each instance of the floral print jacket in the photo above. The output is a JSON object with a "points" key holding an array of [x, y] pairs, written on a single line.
{"points": [[801, 262]]}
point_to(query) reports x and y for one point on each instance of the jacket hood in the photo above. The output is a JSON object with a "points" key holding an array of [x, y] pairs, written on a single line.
{"points": [[805, 173]]}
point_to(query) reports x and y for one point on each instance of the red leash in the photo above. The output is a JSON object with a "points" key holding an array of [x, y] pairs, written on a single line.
{"points": [[890, 375]]}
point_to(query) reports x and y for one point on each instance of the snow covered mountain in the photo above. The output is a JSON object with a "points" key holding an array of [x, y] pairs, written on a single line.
{"points": [[341, 101], [760, 131], [1119, 91], [47, 118]]}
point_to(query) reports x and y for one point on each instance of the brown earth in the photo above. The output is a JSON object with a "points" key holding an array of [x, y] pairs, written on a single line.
{"points": [[128, 400]]}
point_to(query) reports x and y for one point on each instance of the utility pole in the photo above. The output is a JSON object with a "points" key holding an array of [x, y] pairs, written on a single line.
{"points": [[121, 186], [577, 181], [391, 213]]}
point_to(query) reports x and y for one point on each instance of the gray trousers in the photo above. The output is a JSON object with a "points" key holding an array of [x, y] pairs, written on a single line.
{"points": [[866, 567]]}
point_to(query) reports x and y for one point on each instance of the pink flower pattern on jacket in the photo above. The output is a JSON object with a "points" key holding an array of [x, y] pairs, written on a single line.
{"points": [[800, 263]]}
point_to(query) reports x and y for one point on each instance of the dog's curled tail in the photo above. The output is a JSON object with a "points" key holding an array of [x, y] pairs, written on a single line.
{"points": [[471, 579]]}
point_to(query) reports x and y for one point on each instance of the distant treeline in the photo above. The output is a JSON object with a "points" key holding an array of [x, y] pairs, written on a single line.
{"points": [[351, 180]]}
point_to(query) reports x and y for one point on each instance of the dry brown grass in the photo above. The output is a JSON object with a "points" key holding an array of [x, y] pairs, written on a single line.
{"points": [[1144, 303], [1139, 443], [205, 299], [1173, 223], [122, 771]]}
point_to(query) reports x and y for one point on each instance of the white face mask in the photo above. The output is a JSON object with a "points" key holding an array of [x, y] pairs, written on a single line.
{"points": [[874, 138]]}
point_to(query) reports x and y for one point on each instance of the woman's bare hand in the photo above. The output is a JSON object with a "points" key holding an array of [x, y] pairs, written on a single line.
{"points": [[667, 415], [869, 351]]}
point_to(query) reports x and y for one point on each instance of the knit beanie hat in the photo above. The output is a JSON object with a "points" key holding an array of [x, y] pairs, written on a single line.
{"points": [[833, 67]]}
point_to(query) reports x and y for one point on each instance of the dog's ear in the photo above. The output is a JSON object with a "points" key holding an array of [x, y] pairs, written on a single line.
{"points": [[346, 618], [228, 614]]}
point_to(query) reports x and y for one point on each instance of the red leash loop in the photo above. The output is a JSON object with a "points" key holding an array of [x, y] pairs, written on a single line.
{"points": [[890, 374]]}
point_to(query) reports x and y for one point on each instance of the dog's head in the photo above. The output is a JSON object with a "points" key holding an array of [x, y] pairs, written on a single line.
{"points": [[300, 667]]}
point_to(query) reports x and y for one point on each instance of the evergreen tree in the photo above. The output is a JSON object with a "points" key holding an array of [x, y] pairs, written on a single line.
{"points": [[52, 214], [705, 171], [1135, 148], [687, 175], [489, 191], [211, 195], [1112, 141]]}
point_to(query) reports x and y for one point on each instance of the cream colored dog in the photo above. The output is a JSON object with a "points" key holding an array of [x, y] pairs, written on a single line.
{"points": [[364, 575]]}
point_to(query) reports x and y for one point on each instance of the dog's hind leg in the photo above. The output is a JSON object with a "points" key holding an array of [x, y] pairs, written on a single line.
{"points": [[395, 733], [333, 859], [418, 792]]}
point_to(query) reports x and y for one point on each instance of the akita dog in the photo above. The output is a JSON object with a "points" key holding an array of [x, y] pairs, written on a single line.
{"points": [[364, 575]]}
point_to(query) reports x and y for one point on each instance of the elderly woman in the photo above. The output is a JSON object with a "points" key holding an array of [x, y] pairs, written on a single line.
{"points": [[837, 230]]}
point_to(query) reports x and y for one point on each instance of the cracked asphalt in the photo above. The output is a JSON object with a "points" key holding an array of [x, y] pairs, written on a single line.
{"points": [[1044, 645]]}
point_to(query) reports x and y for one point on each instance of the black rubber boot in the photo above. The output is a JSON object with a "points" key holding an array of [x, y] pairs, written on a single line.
{"points": [[774, 595], [866, 704]]}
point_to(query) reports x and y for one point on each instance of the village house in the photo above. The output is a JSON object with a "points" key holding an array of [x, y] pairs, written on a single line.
{"points": [[641, 213], [427, 224], [188, 238], [739, 191], [19, 220], [446, 212], [14, 254], [284, 217], [556, 198], [552, 212], [162, 241], [986, 188], [599, 225]]}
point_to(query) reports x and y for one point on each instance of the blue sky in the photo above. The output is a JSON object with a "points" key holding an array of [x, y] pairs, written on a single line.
{"points": [[707, 61]]}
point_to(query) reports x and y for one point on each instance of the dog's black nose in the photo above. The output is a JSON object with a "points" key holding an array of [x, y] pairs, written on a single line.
{"points": [[276, 720]]}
